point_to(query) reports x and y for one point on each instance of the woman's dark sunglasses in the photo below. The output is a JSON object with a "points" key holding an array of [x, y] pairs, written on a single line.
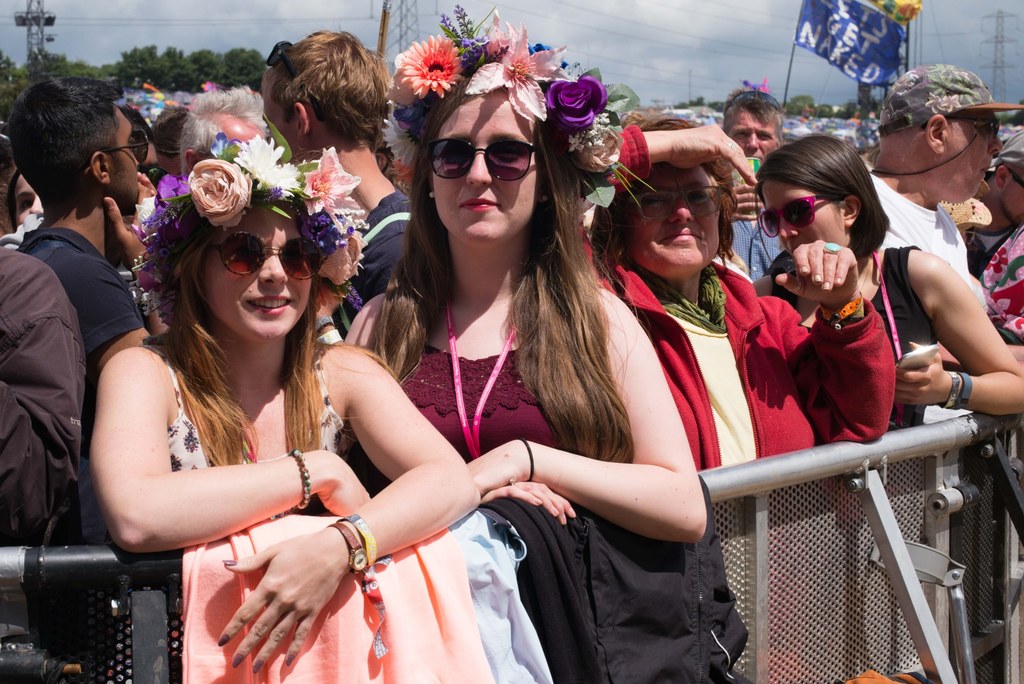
{"points": [[703, 201], [506, 160], [244, 253], [278, 54], [798, 213]]}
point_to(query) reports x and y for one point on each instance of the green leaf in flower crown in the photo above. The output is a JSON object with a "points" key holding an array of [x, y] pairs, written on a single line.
{"points": [[621, 98], [595, 72], [279, 141], [602, 191]]}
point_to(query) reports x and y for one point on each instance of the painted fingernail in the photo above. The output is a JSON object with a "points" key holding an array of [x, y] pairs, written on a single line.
{"points": [[223, 640], [805, 270], [230, 563], [236, 661], [289, 660], [826, 286], [257, 665], [816, 278]]}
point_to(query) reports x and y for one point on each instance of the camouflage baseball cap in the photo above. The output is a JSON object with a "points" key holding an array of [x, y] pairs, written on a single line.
{"points": [[932, 89]]}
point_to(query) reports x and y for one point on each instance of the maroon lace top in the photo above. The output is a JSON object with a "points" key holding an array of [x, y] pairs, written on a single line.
{"points": [[511, 412]]}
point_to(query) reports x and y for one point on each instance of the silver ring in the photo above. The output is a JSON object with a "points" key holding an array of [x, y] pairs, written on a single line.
{"points": [[833, 248], [732, 146]]}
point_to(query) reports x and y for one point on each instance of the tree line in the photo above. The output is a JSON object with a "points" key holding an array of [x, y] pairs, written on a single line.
{"points": [[170, 70]]}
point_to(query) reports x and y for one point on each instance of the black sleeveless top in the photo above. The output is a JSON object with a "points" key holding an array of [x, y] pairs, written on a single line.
{"points": [[912, 322]]}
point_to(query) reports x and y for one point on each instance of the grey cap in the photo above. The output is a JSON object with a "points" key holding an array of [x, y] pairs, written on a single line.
{"points": [[1012, 152], [932, 89]]}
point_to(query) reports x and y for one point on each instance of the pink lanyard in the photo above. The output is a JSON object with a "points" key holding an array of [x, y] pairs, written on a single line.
{"points": [[473, 436], [892, 327]]}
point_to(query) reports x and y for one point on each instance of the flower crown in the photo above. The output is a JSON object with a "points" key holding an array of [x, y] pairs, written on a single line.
{"points": [[541, 86], [220, 190]]}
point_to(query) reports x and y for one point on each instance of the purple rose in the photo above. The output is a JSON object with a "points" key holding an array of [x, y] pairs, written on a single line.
{"points": [[574, 104]]}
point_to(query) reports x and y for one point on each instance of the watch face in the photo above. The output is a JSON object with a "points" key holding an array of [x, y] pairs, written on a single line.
{"points": [[358, 560]]}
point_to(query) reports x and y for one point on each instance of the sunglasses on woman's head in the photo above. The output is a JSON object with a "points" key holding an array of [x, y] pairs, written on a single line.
{"points": [[798, 213], [506, 160], [244, 253]]}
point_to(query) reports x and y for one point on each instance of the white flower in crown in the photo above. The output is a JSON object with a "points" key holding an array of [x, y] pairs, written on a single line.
{"points": [[261, 159]]}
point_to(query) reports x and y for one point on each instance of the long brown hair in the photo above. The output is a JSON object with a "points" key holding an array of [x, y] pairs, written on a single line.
{"points": [[224, 427], [561, 327]]}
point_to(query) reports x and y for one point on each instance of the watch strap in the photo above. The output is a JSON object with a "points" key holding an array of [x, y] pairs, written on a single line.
{"points": [[357, 560]]}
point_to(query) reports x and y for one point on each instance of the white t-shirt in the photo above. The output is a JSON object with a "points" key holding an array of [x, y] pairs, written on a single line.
{"points": [[911, 224]]}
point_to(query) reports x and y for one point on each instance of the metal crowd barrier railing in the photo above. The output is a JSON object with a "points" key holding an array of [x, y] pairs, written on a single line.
{"points": [[899, 555]]}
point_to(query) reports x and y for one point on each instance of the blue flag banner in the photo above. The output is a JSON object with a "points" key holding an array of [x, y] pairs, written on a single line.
{"points": [[860, 41]]}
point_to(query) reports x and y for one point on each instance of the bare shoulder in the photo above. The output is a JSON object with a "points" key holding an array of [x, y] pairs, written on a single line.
{"points": [[133, 360], [930, 273], [365, 322], [345, 358]]}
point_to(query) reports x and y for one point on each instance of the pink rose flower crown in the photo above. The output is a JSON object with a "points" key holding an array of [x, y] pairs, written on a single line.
{"points": [[219, 191], [581, 112]]}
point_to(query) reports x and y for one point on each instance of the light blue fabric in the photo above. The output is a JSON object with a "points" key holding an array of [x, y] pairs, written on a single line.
{"points": [[757, 250], [493, 552]]}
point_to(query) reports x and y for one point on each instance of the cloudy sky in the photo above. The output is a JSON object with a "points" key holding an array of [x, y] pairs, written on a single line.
{"points": [[667, 50]]}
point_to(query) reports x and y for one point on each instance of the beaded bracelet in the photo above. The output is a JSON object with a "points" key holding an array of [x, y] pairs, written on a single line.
{"points": [[307, 485]]}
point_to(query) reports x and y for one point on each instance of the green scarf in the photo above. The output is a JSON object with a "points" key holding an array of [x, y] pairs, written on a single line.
{"points": [[708, 313]]}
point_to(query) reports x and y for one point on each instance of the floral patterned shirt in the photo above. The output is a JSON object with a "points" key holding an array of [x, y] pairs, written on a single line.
{"points": [[1003, 284], [183, 438]]}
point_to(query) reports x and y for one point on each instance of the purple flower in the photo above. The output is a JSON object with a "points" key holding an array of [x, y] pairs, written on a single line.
{"points": [[171, 186], [574, 104]]}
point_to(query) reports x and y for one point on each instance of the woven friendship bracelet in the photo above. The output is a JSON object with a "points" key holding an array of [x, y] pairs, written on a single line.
{"points": [[307, 485]]}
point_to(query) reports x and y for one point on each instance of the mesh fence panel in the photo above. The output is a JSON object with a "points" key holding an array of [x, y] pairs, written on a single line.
{"points": [[78, 626], [832, 613]]}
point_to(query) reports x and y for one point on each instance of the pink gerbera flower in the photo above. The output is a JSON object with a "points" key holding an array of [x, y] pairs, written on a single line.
{"points": [[431, 66]]}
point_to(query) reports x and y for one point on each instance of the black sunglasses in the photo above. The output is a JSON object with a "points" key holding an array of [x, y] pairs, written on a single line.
{"points": [[138, 144], [243, 254], [798, 213], [989, 126], [506, 160], [278, 54], [702, 201]]}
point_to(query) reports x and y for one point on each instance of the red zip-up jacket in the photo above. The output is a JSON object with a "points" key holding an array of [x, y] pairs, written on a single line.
{"points": [[804, 387]]}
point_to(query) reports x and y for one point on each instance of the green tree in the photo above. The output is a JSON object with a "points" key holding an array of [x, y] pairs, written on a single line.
{"points": [[13, 79], [243, 66], [56, 65], [800, 105], [177, 72], [207, 65], [846, 111], [138, 66]]}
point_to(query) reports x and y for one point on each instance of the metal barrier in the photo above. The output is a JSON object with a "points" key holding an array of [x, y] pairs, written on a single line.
{"points": [[826, 550], [800, 531]]}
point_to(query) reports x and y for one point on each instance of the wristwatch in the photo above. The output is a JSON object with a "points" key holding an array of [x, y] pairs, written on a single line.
{"points": [[357, 560]]}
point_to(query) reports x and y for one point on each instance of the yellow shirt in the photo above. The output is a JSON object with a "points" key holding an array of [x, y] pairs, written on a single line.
{"points": [[725, 390]]}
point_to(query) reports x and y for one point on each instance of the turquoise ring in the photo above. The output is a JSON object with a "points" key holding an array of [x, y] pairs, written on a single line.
{"points": [[833, 248]]}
